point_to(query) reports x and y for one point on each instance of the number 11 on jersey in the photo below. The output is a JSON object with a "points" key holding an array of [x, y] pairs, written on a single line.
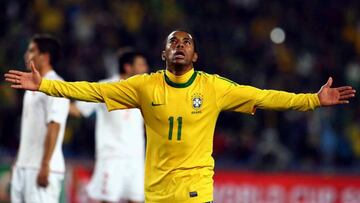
{"points": [[171, 126]]}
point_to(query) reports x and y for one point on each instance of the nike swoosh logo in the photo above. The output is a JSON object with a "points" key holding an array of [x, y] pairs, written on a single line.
{"points": [[153, 104]]}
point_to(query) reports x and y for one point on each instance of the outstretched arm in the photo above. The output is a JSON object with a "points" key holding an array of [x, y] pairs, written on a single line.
{"points": [[326, 96], [117, 95], [247, 99], [74, 90], [332, 96]]}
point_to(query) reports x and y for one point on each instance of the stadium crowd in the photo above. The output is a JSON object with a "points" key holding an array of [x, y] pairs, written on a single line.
{"points": [[322, 39]]}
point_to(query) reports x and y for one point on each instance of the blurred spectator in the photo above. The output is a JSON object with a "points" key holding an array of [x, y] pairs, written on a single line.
{"points": [[270, 154]]}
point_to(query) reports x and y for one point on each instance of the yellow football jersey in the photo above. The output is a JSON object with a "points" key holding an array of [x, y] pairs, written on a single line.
{"points": [[180, 114]]}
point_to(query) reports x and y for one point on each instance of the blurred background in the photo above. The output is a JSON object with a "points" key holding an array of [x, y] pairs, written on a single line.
{"points": [[274, 44]]}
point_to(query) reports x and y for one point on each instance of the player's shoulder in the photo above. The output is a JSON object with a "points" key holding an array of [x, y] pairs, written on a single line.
{"points": [[114, 78], [205, 78], [144, 78], [215, 78], [204, 74], [210, 76], [154, 75], [157, 73], [52, 75]]}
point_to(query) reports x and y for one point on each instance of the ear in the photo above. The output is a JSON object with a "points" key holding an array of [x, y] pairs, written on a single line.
{"points": [[195, 57], [163, 55]]}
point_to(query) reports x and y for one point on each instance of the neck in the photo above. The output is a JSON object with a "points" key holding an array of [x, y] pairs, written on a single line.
{"points": [[179, 69], [45, 69]]}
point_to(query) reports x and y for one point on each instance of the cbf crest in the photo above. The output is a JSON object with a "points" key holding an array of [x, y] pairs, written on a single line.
{"points": [[197, 100]]}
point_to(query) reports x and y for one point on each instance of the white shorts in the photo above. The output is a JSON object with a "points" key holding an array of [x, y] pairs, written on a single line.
{"points": [[24, 187], [117, 179]]}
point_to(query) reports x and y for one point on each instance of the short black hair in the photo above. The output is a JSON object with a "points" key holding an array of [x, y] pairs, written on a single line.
{"points": [[182, 30], [48, 44], [127, 57]]}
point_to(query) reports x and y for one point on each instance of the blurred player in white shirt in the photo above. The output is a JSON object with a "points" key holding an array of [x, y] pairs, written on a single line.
{"points": [[120, 142], [39, 169]]}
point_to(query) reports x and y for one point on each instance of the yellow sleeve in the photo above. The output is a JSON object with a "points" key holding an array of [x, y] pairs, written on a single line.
{"points": [[124, 94], [116, 95], [245, 99], [280, 100], [84, 91]]}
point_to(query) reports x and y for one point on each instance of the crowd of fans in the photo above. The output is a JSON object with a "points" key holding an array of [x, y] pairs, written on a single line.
{"points": [[322, 39]]}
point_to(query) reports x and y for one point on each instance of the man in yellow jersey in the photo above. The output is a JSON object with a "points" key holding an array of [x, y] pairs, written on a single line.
{"points": [[180, 107]]}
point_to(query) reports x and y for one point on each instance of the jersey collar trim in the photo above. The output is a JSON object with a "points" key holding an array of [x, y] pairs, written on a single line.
{"points": [[180, 85]]}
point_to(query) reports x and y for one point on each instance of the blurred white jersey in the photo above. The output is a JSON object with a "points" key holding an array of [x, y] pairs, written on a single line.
{"points": [[39, 110], [118, 133]]}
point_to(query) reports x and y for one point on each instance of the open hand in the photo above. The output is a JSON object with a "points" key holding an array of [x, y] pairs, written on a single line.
{"points": [[24, 80], [332, 96]]}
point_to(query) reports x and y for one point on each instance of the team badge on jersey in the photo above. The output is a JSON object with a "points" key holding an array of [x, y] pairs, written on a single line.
{"points": [[197, 101]]}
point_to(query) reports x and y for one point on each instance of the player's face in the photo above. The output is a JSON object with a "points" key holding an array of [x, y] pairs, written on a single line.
{"points": [[140, 65], [179, 49], [32, 54]]}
